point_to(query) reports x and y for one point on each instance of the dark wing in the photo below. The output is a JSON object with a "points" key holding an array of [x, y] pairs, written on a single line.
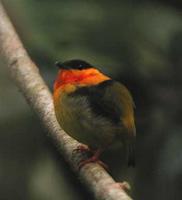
{"points": [[109, 99], [104, 102], [113, 101], [117, 104]]}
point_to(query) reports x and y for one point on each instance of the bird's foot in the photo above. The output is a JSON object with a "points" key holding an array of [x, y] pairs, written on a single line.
{"points": [[81, 152], [123, 185], [93, 159], [82, 148], [90, 160], [86, 151]]}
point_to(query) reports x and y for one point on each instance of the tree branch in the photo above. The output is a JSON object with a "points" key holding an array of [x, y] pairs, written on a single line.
{"points": [[27, 77]]}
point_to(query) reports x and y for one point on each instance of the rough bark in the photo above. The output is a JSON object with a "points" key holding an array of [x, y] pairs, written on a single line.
{"points": [[28, 79]]}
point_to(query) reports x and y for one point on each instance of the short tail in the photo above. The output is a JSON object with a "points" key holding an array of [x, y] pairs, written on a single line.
{"points": [[131, 155]]}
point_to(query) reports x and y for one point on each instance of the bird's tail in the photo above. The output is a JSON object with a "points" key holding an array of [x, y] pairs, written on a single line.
{"points": [[131, 154]]}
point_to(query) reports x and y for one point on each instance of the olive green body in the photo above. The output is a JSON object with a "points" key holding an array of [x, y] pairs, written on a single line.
{"points": [[97, 116], [77, 119]]}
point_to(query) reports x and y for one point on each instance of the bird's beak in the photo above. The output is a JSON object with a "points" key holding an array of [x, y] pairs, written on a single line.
{"points": [[59, 64]]}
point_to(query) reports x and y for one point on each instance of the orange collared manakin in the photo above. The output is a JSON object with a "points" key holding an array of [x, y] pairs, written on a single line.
{"points": [[94, 109]]}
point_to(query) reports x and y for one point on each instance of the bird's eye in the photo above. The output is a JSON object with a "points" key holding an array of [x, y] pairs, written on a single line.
{"points": [[80, 67]]}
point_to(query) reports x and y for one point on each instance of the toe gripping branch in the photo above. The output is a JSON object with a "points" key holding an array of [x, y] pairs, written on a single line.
{"points": [[84, 155]]}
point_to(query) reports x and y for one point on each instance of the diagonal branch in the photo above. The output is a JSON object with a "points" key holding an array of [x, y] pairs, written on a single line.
{"points": [[27, 77]]}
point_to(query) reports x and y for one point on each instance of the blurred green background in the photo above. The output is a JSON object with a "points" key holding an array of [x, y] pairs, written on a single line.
{"points": [[136, 42]]}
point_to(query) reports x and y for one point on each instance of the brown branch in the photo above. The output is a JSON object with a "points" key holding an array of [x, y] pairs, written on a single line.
{"points": [[27, 77]]}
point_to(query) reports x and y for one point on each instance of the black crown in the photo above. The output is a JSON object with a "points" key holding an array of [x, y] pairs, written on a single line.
{"points": [[73, 64]]}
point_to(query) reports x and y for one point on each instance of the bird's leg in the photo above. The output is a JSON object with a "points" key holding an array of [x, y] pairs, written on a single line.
{"points": [[123, 185], [94, 158], [82, 148]]}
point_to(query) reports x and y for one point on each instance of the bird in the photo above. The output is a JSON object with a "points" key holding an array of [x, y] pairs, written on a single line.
{"points": [[94, 109]]}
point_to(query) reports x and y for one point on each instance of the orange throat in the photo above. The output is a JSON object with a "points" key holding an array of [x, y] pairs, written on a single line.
{"points": [[86, 77]]}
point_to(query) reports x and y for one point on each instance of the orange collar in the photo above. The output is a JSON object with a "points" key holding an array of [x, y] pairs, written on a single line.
{"points": [[89, 77]]}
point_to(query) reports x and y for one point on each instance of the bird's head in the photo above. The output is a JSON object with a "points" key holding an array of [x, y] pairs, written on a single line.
{"points": [[79, 73]]}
